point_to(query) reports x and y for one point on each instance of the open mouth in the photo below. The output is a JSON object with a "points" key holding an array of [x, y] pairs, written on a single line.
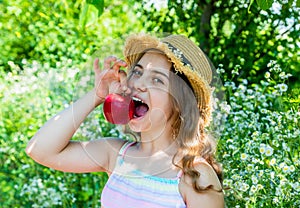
{"points": [[140, 108]]}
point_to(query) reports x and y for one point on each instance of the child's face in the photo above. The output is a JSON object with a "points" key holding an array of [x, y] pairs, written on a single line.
{"points": [[149, 82]]}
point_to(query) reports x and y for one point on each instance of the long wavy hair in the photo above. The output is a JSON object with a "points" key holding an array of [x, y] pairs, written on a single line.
{"points": [[189, 131]]}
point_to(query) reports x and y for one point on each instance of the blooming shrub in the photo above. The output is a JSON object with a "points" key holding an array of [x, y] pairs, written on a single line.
{"points": [[28, 98], [259, 146], [46, 194]]}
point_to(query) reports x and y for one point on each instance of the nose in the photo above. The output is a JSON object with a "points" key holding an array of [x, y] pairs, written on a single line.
{"points": [[140, 84]]}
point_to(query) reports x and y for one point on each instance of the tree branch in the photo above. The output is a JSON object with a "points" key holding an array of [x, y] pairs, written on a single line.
{"points": [[205, 27]]}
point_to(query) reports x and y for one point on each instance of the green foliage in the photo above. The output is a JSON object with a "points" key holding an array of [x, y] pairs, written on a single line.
{"points": [[259, 146], [99, 4], [40, 31], [234, 32], [264, 4], [90, 12], [29, 97], [48, 31]]}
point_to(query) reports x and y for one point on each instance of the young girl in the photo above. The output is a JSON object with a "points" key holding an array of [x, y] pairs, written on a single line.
{"points": [[171, 164]]}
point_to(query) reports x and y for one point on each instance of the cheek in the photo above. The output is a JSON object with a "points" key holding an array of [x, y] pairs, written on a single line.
{"points": [[161, 108], [158, 115], [160, 99], [158, 119]]}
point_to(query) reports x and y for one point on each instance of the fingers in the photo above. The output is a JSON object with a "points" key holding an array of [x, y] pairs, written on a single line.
{"points": [[108, 61], [96, 65], [114, 78], [112, 62], [123, 82], [117, 65]]}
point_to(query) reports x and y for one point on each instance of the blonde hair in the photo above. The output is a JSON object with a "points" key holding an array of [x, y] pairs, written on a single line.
{"points": [[189, 131]]}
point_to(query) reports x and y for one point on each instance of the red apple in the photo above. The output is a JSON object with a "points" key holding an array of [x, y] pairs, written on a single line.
{"points": [[118, 109]]}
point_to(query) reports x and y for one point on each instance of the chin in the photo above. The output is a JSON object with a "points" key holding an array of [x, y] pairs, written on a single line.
{"points": [[156, 120], [139, 126]]}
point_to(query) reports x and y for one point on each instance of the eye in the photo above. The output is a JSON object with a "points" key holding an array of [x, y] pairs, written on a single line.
{"points": [[137, 72], [158, 80]]}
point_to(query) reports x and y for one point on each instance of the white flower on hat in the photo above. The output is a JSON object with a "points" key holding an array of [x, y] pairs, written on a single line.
{"points": [[177, 53]]}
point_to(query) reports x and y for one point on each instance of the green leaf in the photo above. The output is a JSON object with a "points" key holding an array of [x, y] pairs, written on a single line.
{"points": [[83, 15], [264, 4], [298, 3], [251, 2], [99, 4], [228, 28], [90, 11]]}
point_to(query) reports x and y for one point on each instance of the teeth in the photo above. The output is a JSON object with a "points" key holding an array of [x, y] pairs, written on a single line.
{"points": [[137, 99]]}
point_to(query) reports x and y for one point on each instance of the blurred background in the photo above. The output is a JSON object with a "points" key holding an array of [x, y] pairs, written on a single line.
{"points": [[46, 52]]}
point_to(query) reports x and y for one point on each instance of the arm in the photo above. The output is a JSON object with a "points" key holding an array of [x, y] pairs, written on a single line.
{"points": [[211, 198], [51, 145]]}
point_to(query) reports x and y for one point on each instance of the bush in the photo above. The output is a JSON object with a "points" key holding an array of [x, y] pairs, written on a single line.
{"points": [[49, 31], [259, 146], [29, 97]]}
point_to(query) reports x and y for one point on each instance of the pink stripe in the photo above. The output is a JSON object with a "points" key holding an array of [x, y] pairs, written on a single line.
{"points": [[124, 150], [179, 174]]}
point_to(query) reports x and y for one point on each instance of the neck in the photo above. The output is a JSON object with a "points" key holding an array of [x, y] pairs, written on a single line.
{"points": [[153, 144]]}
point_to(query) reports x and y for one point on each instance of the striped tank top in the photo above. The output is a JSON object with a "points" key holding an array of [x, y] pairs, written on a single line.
{"points": [[128, 187]]}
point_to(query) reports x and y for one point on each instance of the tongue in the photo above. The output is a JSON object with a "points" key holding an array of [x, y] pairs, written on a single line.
{"points": [[141, 110]]}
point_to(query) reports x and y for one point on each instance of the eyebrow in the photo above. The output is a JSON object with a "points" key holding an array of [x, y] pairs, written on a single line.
{"points": [[153, 71]]}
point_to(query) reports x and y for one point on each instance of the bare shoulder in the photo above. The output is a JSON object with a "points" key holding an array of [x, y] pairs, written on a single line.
{"points": [[213, 197], [111, 145], [114, 143]]}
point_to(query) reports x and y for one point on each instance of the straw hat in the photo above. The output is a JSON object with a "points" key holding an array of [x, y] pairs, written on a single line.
{"points": [[186, 57]]}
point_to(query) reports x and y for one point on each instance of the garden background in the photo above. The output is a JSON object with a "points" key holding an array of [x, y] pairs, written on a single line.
{"points": [[45, 64]]}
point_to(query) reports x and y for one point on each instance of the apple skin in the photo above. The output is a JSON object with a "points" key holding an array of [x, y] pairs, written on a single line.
{"points": [[118, 109]]}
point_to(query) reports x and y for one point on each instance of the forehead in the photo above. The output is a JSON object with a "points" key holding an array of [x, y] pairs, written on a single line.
{"points": [[155, 60]]}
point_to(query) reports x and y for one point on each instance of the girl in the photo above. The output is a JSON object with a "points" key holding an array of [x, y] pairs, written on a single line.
{"points": [[171, 164]]}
